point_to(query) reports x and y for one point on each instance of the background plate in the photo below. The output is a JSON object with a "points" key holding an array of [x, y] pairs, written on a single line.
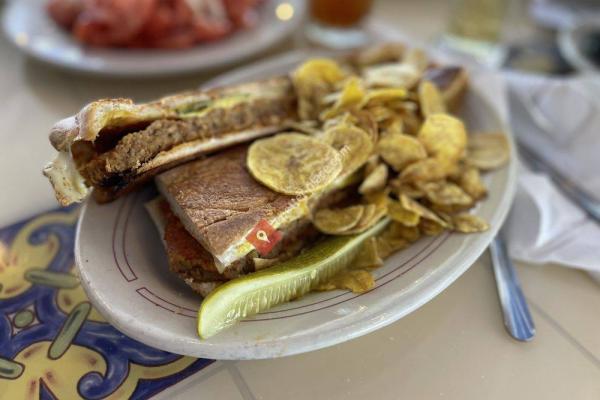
{"points": [[124, 269], [29, 27]]}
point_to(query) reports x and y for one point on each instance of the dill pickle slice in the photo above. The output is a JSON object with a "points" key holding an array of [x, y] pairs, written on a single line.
{"points": [[259, 291]]}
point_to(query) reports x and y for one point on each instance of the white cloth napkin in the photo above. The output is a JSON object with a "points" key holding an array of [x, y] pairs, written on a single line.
{"points": [[560, 118]]}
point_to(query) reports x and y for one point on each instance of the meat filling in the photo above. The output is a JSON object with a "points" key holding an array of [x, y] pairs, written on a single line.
{"points": [[190, 260], [137, 148]]}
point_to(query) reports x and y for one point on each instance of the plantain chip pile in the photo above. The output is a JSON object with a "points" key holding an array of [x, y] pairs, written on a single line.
{"points": [[378, 115]]}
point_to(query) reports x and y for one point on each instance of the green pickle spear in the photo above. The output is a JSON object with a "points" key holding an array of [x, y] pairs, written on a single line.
{"points": [[259, 291]]}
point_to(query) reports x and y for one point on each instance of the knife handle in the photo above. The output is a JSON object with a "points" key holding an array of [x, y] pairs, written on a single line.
{"points": [[517, 317]]}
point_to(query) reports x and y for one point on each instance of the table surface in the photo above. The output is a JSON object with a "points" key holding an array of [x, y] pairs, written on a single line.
{"points": [[454, 347]]}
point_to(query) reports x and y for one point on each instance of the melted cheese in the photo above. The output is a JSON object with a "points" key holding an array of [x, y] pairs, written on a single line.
{"points": [[68, 184]]}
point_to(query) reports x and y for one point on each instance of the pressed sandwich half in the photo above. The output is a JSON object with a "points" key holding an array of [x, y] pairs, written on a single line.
{"points": [[115, 145], [209, 206]]}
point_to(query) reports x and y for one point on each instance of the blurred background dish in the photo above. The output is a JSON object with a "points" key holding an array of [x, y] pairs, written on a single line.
{"points": [[171, 24], [32, 29]]}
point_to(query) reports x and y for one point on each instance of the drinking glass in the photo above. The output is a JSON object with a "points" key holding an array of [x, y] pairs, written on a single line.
{"points": [[337, 23]]}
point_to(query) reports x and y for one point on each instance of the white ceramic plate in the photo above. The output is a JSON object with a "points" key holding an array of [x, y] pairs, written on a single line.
{"points": [[124, 270], [29, 27]]}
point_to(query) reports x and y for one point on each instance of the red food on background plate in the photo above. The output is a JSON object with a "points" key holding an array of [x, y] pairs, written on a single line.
{"points": [[65, 12], [152, 23]]}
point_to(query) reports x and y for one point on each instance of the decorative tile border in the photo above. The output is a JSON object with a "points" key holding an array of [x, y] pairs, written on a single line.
{"points": [[53, 344]]}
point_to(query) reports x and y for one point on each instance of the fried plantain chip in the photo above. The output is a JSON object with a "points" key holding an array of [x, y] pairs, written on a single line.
{"points": [[488, 151], [425, 170], [431, 228], [455, 170], [444, 137], [421, 210], [402, 215], [370, 217], [392, 125], [442, 209], [470, 181], [430, 99], [380, 113], [399, 150], [446, 193], [370, 165], [378, 97], [395, 75], [336, 221], [375, 181], [367, 256], [312, 81], [447, 217], [374, 211], [331, 98], [262, 263], [386, 246], [398, 230], [356, 280], [404, 74], [294, 164], [403, 106], [365, 121], [345, 119], [412, 122], [351, 96], [378, 199], [320, 70], [353, 144], [340, 120], [398, 187], [367, 216], [469, 223]]}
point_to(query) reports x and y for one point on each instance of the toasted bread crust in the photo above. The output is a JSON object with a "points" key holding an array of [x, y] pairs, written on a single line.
{"points": [[188, 256]]}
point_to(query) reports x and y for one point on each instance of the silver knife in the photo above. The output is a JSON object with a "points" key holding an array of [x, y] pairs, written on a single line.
{"points": [[517, 318]]}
